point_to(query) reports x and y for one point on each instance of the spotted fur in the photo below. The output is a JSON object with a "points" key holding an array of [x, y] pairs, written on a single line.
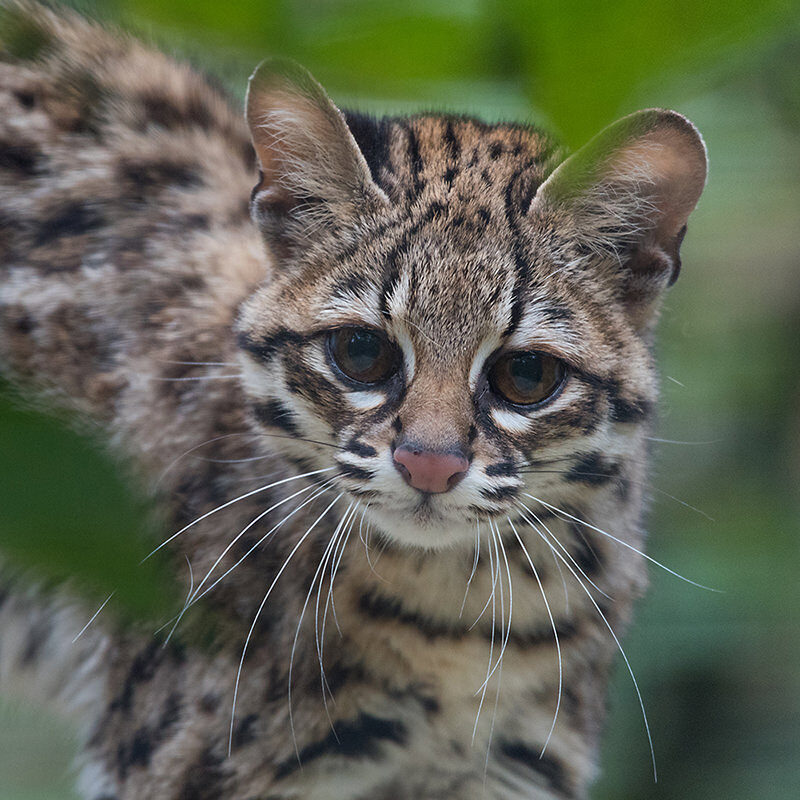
{"points": [[135, 289]]}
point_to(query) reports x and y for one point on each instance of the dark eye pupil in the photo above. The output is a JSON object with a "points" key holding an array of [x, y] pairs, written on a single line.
{"points": [[526, 378], [526, 372], [363, 350], [363, 355]]}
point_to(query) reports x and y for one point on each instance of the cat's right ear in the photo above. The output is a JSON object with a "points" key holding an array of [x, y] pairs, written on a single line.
{"points": [[311, 169], [627, 195]]}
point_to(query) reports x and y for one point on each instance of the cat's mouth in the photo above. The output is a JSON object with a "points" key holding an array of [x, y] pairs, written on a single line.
{"points": [[425, 523]]}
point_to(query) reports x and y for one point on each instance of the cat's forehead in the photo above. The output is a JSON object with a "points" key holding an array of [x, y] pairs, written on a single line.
{"points": [[469, 160]]}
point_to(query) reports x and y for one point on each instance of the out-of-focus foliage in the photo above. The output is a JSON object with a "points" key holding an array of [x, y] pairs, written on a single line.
{"points": [[719, 672]]}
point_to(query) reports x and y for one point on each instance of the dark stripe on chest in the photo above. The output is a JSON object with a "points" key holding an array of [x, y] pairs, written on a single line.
{"points": [[356, 738], [381, 608]]}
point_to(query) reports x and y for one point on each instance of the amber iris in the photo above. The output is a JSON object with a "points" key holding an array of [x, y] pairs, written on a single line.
{"points": [[363, 355], [527, 377]]}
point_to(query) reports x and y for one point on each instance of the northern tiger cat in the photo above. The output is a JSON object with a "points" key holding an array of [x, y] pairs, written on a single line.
{"points": [[432, 334]]}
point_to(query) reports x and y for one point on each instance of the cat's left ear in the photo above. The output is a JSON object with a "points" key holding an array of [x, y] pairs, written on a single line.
{"points": [[628, 194], [311, 168]]}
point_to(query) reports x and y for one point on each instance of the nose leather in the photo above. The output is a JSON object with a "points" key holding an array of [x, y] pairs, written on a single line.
{"points": [[428, 471]]}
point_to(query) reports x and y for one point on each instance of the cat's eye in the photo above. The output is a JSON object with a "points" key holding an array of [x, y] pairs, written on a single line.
{"points": [[363, 355], [525, 378]]}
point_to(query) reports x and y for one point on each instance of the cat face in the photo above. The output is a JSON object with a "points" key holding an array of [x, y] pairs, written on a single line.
{"points": [[453, 326]]}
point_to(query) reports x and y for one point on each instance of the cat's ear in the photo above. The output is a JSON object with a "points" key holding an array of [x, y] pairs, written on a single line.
{"points": [[628, 194], [311, 169]]}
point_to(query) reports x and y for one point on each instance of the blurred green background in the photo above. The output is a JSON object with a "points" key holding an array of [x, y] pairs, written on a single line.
{"points": [[720, 673]]}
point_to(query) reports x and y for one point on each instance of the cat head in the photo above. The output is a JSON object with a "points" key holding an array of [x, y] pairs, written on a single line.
{"points": [[457, 318]]}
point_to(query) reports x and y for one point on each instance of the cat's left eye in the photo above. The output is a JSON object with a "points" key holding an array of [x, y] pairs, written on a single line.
{"points": [[526, 378], [363, 355]]}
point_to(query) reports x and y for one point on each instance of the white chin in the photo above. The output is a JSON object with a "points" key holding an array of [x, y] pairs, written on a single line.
{"points": [[426, 528]]}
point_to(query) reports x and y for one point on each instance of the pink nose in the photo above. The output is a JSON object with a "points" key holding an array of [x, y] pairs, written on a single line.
{"points": [[430, 472]]}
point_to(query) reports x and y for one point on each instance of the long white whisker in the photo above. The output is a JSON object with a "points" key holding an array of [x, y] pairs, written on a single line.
{"points": [[552, 625], [321, 489], [525, 510], [231, 502], [195, 597], [94, 617], [495, 574], [261, 608], [505, 630], [197, 447], [249, 525], [188, 596], [317, 576], [474, 566], [341, 536], [337, 560], [563, 514], [621, 650]]}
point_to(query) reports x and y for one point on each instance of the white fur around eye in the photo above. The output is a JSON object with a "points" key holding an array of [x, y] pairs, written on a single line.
{"points": [[399, 331], [352, 309], [488, 346], [511, 421], [366, 400]]}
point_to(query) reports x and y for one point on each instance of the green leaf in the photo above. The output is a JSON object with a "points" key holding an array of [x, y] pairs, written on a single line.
{"points": [[66, 515]]}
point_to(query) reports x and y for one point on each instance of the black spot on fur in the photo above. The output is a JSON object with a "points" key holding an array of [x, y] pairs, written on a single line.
{"points": [[274, 414], [433, 211], [391, 276], [205, 779], [557, 313], [245, 731], [159, 109], [360, 449], [25, 99], [22, 160], [546, 767], [505, 467], [581, 549], [357, 738], [372, 137], [209, 703], [266, 348], [71, 219], [147, 175], [629, 410], [36, 637], [500, 493], [142, 670], [593, 469], [495, 150], [379, 607], [352, 471], [451, 143], [139, 752]]}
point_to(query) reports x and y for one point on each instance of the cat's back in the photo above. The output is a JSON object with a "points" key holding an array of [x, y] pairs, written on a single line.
{"points": [[122, 172]]}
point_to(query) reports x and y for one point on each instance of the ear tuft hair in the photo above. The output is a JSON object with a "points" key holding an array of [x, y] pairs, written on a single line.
{"points": [[628, 194], [311, 167]]}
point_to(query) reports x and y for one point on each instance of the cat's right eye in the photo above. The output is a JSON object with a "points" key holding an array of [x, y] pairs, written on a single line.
{"points": [[363, 355]]}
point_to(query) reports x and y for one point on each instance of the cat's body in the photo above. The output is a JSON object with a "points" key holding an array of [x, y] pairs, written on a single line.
{"points": [[129, 266]]}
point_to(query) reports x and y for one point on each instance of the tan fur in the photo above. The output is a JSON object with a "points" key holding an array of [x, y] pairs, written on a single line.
{"points": [[129, 262]]}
